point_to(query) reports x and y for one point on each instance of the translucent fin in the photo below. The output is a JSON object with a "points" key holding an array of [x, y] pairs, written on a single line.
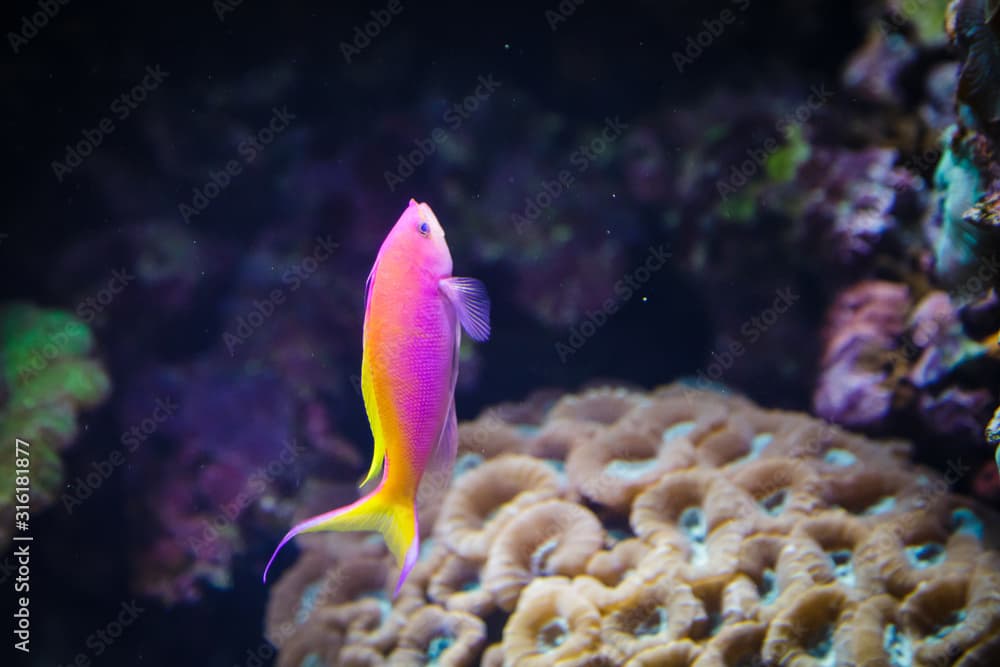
{"points": [[371, 407], [443, 456], [395, 520], [472, 304]]}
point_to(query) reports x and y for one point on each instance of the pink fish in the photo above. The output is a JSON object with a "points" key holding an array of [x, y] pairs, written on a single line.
{"points": [[414, 313]]}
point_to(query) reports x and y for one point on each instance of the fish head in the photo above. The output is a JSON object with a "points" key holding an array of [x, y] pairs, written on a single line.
{"points": [[421, 232]]}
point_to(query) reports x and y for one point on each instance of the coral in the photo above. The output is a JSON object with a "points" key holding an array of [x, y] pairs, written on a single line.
{"points": [[888, 356], [849, 200], [48, 378], [767, 537], [974, 27], [964, 228], [864, 321], [210, 469]]}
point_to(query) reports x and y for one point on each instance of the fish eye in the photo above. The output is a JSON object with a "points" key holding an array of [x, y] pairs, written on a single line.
{"points": [[424, 228]]}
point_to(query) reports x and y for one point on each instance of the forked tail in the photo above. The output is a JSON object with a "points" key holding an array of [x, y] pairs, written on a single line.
{"points": [[396, 519]]}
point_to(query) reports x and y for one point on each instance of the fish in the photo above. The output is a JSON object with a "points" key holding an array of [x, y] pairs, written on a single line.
{"points": [[415, 311]]}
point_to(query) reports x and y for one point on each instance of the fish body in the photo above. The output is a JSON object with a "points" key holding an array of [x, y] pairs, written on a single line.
{"points": [[414, 314]]}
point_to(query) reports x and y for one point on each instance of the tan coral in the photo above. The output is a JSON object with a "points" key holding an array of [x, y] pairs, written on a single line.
{"points": [[652, 614], [605, 405], [610, 567], [489, 436], [436, 636], [769, 538], [737, 644], [556, 438], [456, 586], [803, 633], [483, 500], [549, 538], [552, 624], [612, 467], [675, 654]]}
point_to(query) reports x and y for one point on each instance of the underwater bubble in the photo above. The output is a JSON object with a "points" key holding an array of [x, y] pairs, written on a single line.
{"points": [[840, 457], [925, 555]]}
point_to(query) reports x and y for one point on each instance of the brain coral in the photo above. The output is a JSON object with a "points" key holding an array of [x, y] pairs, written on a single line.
{"points": [[679, 527]]}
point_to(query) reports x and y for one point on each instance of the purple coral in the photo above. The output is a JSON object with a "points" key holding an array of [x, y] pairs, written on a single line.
{"points": [[863, 324], [222, 455], [851, 199]]}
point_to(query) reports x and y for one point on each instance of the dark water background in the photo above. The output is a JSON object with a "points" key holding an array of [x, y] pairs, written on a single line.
{"points": [[606, 59]]}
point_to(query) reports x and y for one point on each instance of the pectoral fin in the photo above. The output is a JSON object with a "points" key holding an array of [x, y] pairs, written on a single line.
{"points": [[471, 303]]}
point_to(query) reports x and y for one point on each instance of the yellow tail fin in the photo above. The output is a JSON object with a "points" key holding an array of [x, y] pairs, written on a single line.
{"points": [[395, 519]]}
